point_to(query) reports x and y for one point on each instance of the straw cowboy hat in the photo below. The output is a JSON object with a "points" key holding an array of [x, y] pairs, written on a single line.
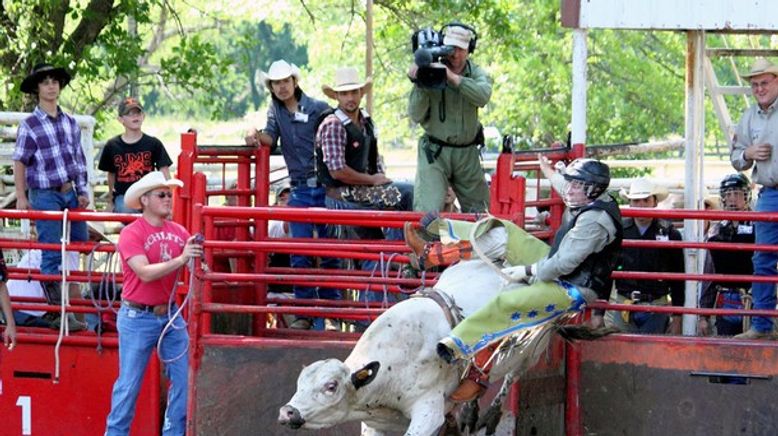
{"points": [[643, 188], [149, 182], [40, 72], [761, 66], [346, 79], [279, 70]]}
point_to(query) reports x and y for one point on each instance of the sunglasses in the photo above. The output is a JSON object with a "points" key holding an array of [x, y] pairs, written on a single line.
{"points": [[161, 195]]}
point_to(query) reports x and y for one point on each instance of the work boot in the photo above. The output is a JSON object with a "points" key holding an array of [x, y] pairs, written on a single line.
{"points": [[429, 254], [755, 334], [55, 320], [471, 387], [301, 324], [476, 380]]}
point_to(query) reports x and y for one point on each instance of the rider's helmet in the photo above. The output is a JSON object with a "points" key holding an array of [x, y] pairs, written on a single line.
{"points": [[730, 190], [586, 180]]}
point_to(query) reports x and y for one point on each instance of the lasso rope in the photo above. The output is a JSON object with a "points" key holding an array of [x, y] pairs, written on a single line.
{"points": [[65, 296]]}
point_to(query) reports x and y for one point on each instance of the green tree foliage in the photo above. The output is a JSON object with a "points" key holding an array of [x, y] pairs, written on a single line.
{"points": [[93, 41], [201, 59], [248, 48]]}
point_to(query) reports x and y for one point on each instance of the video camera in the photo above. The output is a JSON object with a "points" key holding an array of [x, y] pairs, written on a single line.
{"points": [[428, 48]]}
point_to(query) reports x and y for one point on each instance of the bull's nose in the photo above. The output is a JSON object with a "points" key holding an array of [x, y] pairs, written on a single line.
{"points": [[290, 416]]}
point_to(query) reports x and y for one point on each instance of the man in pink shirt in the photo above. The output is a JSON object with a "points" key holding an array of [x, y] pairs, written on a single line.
{"points": [[153, 249]]}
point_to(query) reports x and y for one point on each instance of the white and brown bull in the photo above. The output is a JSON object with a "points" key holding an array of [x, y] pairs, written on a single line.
{"points": [[393, 380]]}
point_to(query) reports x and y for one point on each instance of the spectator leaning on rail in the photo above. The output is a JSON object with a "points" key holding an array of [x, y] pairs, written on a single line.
{"points": [[448, 152], [347, 158], [133, 154], [574, 271], [643, 193], [153, 250], [735, 193], [291, 120], [754, 145], [50, 167]]}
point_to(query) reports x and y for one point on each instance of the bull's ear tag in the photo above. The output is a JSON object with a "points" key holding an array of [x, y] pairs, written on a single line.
{"points": [[364, 376]]}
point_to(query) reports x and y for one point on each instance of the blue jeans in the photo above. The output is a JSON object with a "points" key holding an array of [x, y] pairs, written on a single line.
{"points": [[138, 334], [650, 323], [120, 207], [27, 320], [305, 196], [765, 261], [51, 231], [394, 234]]}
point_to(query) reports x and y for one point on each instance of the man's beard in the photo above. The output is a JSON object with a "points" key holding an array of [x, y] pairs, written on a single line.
{"points": [[350, 111]]}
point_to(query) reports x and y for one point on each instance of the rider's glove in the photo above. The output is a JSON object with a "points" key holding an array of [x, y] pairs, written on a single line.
{"points": [[519, 272]]}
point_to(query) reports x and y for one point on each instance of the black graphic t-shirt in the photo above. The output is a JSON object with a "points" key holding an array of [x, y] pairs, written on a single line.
{"points": [[130, 162]]}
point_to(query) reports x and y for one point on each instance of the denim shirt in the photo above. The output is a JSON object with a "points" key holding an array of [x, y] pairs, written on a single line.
{"points": [[296, 134]]}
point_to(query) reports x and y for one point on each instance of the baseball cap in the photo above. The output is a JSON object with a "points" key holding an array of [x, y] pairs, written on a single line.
{"points": [[128, 104]]}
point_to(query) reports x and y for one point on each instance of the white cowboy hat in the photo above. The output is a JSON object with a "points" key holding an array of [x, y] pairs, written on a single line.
{"points": [[149, 182], [279, 70], [761, 66], [346, 79], [643, 188]]}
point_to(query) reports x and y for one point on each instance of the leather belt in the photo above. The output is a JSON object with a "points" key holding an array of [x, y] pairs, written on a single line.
{"points": [[310, 182], [639, 297], [64, 188], [336, 192], [159, 310]]}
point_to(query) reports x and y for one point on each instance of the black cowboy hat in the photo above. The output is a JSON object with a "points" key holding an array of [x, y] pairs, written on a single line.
{"points": [[40, 72]]}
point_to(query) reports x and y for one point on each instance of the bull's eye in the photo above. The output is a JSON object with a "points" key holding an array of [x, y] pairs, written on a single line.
{"points": [[331, 387]]}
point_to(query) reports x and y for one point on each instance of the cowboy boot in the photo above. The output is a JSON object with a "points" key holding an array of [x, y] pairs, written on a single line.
{"points": [[476, 380], [429, 254]]}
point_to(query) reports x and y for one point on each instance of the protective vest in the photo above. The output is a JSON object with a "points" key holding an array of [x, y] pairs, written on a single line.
{"points": [[361, 148], [651, 260], [595, 271], [733, 262]]}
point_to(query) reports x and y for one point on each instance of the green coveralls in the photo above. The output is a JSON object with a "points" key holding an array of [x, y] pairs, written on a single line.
{"points": [[451, 115]]}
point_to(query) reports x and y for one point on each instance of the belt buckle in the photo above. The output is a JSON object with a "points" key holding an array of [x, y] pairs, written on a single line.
{"points": [[160, 310]]}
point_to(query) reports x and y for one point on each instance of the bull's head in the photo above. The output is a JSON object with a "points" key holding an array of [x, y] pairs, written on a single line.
{"points": [[325, 394]]}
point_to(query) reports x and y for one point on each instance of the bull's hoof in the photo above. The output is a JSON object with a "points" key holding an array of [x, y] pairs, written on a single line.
{"points": [[468, 418], [449, 427]]}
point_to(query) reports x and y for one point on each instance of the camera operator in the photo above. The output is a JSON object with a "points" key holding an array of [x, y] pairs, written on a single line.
{"points": [[449, 150]]}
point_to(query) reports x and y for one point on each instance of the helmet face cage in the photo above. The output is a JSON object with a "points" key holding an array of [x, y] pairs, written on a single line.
{"points": [[729, 201], [730, 187], [579, 193]]}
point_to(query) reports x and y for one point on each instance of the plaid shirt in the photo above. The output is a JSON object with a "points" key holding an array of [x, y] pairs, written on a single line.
{"points": [[332, 140], [51, 150]]}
